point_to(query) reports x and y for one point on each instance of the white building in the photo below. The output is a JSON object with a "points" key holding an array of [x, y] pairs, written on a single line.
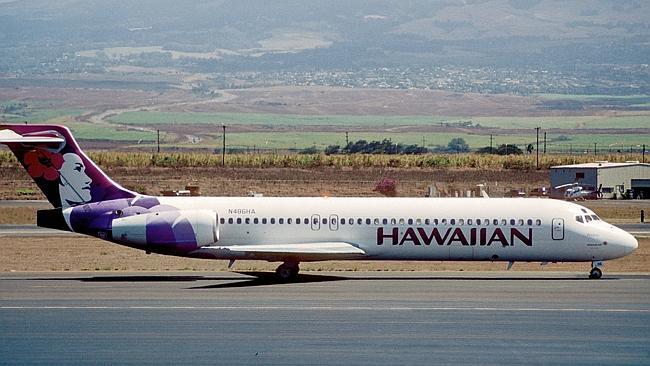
{"points": [[613, 179]]}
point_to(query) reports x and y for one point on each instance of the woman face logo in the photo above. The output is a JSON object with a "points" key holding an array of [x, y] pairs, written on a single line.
{"points": [[75, 184]]}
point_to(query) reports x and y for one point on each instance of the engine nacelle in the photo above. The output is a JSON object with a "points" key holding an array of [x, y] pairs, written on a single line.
{"points": [[174, 229]]}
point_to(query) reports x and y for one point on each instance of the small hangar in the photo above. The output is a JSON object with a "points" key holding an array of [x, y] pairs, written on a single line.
{"points": [[613, 179]]}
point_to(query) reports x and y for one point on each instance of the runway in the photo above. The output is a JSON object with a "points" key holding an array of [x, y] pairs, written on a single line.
{"points": [[331, 318]]}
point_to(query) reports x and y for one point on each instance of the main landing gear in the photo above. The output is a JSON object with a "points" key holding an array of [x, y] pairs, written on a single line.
{"points": [[287, 271], [596, 273]]}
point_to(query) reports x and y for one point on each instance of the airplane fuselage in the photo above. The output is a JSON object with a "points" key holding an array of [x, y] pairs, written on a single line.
{"points": [[497, 229]]}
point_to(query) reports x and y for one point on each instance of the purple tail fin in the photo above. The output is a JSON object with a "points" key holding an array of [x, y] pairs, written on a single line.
{"points": [[61, 170]]}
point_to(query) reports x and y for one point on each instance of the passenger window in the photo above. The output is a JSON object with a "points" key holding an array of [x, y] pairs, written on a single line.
{"points": [[264, 220], [393, 221], [256, 221], [529, 222], [230, 221], [435, 221], [461, 222], [427, 222], [521, 222], [401, 221], [351, 221], [306, 221], [272, 220], [239, 220], [410, 221], [469, 222], [418, 221], [512, 221], [324, 221], [289, 221], [504, 222], [247, 220], [538, 222], [280, 221], [452, 222], [495, 222], [579, 219], [222, 221], [376, 221], [384, 221], [298, 221], [444, 221], [342, 221]]}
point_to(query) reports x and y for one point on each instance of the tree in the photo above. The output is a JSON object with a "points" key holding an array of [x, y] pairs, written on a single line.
{"points": [[530, 148], [458, 144], [332, 149], [509, 149]]}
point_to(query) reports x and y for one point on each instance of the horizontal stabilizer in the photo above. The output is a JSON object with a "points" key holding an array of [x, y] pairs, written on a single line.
{"points": [[9, 136], [302, 252]]}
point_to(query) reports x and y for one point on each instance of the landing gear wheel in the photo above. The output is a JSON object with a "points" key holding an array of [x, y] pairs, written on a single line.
{"points": [[287, 271], [595, 273]]}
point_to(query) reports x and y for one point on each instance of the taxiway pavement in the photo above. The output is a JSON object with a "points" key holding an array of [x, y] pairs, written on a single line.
{"points": [[330, 318]]}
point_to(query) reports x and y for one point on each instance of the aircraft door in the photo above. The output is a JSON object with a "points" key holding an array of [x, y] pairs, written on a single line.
{"points": [[334, 222], [558, 229], [315, 222]]}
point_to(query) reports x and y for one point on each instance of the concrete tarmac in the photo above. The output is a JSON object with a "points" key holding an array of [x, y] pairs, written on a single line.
{"points": [[331, 318]]}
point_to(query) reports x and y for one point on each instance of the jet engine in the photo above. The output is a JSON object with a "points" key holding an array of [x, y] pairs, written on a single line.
{"points": [[173, 229]]}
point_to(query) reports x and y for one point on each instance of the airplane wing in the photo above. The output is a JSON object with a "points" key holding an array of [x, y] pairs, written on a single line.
{"points": [[278, 252]]}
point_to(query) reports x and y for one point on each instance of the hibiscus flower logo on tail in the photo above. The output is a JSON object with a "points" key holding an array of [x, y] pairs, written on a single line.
{"points": [[42, 163]]}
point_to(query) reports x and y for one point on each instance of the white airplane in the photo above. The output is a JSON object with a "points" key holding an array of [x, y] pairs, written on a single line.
{"points": [[292, 230]]}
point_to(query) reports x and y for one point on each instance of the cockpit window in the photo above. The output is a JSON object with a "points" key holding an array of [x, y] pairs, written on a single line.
{"points": [[587, 218], [595, 217], [579, 219]]}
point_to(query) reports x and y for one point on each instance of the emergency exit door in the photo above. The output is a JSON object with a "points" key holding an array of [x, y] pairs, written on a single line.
{"points": [[557, 232]]}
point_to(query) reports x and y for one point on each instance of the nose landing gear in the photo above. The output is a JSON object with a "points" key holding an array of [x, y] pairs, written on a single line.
{"points": [[287, 271], [596, 273]]}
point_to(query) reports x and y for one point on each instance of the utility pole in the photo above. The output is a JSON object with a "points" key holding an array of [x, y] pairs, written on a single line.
{"points": [[537, 149], [158, 141], [595, 143], [544, 142], [223, 149]]}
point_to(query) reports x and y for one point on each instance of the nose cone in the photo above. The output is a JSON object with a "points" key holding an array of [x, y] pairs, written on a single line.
{"points": [[630, 243]]}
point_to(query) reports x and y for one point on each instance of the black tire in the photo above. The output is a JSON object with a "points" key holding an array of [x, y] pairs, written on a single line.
{"points": [[283, 272], [287, 272], [595, 273]]}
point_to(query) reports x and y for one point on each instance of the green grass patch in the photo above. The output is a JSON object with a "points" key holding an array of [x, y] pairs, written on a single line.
{"points": [[90, 131], [302, 140], [217, 119], [19, 112], [592, 97]]}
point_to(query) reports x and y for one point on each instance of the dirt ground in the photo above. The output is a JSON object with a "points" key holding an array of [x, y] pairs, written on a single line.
{"points": [[89, 254], [294, 182]]}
